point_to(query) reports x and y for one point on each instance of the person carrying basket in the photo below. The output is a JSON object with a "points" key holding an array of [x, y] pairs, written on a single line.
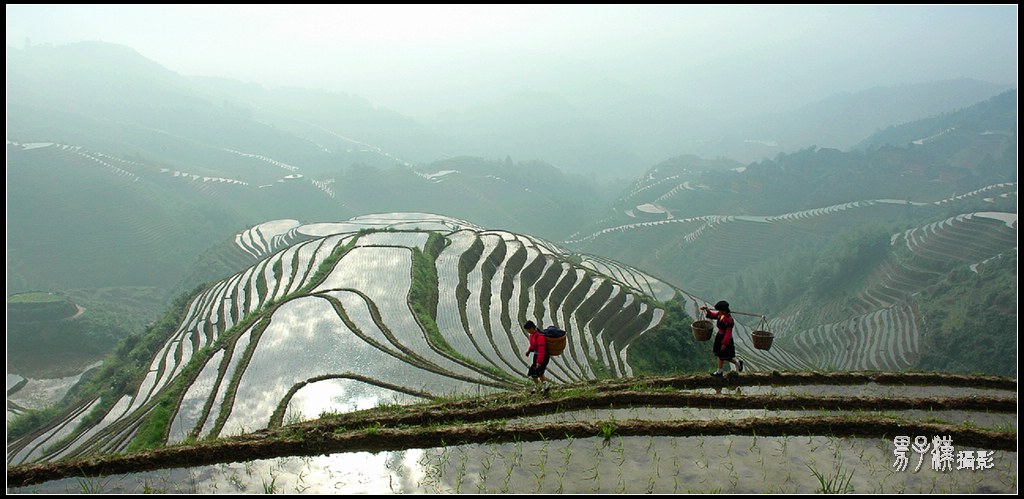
{"points": [[725, 347]]}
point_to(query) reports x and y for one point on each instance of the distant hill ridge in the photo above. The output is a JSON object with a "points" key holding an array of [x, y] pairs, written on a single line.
{"points": [[632, 130], [38, 306]]}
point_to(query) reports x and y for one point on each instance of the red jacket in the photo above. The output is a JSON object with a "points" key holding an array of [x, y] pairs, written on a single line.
{"points": [[539, 344], [725, 324]]}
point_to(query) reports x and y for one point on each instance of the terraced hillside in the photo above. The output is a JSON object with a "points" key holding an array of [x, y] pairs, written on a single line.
{"points": [[135, 220], [332, 319], [81, 218], [852, 302]]}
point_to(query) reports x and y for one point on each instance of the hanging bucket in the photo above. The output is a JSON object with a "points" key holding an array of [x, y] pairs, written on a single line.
{"points": [[762, 337], [702, 330]]}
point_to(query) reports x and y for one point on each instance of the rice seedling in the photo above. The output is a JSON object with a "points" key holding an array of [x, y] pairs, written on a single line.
{"points": [[509, 469], [270, 488], [91, 485], [461, 474], [595, 475], [193, 484], [430, 472], [789, 476], [729, 465], [560, 476], [607, 430], [839, 483], [485, 469], [657, 463], [147, 488], [540, 466], [1009, 479], [517, 454], [621, 451], [567, 451], [293, 417]]}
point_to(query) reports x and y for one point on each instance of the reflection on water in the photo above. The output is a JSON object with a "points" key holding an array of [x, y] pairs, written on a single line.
{"points": [[733, 464], [340, 395], [32, 393]]}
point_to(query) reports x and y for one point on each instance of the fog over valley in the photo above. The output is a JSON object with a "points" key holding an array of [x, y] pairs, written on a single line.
{"points": [[610, 88]]}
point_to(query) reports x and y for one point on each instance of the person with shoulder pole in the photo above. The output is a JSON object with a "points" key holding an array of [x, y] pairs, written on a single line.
{"points": [[725, 347]]}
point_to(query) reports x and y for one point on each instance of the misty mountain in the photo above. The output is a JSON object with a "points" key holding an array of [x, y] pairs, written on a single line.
{"points": [[843, 120], [610, 136], [611, 129], [94, 78], [345, 125], [839, 247], [117, 152], [598, 126], [108, 97], [994, 116], [957, 152]]}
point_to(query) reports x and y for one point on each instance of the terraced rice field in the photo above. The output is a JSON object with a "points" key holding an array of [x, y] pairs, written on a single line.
{"points": [[879, 327], [765, 433], [351, 337], [349, 342]]}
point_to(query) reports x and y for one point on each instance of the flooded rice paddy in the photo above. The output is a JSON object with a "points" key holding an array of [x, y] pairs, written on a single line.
{"points": [[612, 463]]}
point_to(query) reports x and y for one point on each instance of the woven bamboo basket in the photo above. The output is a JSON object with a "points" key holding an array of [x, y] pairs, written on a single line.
{"points": [[555, 346], [702, 330], [762, 339]]}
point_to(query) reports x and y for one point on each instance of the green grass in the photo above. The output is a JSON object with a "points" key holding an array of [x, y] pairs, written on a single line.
{"points": [[151, 434], [607, 430]]}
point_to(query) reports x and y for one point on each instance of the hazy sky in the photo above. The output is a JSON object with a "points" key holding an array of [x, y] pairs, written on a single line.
{"points": [[419, 60]]}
